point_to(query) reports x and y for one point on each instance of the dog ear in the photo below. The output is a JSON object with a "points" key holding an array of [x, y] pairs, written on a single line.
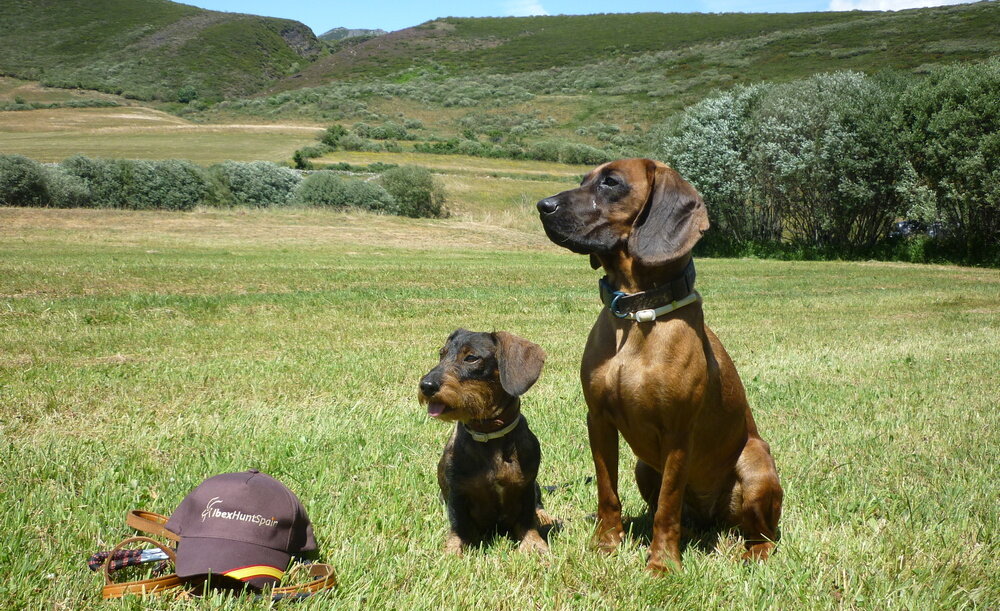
{"points": [[671, 222], [595, 263], [519, 361]]}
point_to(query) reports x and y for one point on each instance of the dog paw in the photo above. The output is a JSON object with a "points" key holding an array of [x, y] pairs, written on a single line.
{"points": [[453, 546], [543, 517], [659, 568], [758, 552], [609, 540], [533, 543]]}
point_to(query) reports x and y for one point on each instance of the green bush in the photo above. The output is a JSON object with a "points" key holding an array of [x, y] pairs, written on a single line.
{"points": [[67, 190], [836, 171], [172, 184], [23, 182], [415, 190], [813, 162], [136, 185], [952, 126], [711, 144], [332, 135], [387, 131], [103, 178], [257, 183], [329, 190]]}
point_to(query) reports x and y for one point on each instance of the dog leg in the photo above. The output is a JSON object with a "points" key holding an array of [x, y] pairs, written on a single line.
{"points": [[665, 550], [604, 448], [760, 505], [463, 531], [525, 527], [648, 479]]}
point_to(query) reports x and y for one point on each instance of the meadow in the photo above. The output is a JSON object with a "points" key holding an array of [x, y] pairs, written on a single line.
{"points": [[141, 352], [139, 132]]}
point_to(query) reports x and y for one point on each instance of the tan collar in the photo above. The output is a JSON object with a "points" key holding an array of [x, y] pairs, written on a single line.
{"points": [[484, 437], [495, 428]]}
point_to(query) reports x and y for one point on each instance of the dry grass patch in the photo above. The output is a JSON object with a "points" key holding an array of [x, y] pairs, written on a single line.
{"points": [[138, 132], [463, 163]]}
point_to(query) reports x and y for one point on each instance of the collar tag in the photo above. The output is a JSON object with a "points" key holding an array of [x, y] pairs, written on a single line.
{"points": [[645, 316]]}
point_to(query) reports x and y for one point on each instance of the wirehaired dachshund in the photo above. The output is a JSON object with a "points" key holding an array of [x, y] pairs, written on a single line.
{"points": [[487, 473]]}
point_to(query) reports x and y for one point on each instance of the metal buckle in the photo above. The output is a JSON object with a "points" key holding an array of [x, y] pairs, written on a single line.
{"points": [[613, 306]]}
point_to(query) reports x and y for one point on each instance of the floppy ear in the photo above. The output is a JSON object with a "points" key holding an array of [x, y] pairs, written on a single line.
{"points": [[594, 261], [672, 221], [519, 361]]}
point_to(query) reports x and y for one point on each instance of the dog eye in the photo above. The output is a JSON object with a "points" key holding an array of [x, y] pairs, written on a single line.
{"points": [[472, 358], [610, 181]]}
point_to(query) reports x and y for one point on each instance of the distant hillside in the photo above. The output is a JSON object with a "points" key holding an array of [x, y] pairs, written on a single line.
{"points": [[612, 67], [759, 46], [149, 49], [342, 33]]}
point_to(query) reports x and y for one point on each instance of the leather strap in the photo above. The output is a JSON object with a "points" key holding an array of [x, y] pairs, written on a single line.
{"points": [[149, 522], [324, 578], [623, 304], [142, 587]]}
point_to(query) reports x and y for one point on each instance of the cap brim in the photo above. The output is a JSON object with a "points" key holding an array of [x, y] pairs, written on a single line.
{"points": [[259, 566]]}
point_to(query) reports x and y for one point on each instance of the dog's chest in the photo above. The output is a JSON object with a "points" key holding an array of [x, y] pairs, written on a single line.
{"points": [[498, 476], [641, 375]]}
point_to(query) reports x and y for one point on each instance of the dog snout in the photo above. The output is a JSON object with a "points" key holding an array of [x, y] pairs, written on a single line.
{"points": [[548, 205], [430, 384]]}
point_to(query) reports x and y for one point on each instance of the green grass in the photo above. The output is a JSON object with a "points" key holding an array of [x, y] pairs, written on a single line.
{"points": [[143, 352], [142, 133]]}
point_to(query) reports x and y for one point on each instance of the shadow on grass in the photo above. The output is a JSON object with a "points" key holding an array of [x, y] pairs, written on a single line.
{"points": [[702, 538]]}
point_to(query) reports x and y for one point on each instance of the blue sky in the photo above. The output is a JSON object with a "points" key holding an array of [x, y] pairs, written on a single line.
{"points": [[398, 14]]}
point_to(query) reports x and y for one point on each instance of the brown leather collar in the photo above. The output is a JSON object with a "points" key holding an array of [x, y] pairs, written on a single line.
{"points": [[623, 304]]}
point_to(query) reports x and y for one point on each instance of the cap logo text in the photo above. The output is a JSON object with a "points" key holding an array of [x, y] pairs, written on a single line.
{"points": [[211, 511]]}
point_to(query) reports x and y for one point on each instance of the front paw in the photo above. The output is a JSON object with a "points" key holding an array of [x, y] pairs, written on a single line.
{"points": [[533, 543], [453, 545], [609, 540], [758, 552], [660, 568]]}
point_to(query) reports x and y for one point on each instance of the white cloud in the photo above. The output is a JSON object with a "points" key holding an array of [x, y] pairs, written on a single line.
{"points": [[887, 5], [525, 8]]}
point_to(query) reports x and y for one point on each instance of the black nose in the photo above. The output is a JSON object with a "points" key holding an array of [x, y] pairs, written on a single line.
{"points": [[548, 205], [429, 387]]}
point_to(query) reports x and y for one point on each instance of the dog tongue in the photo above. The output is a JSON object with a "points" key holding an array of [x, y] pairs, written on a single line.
{"points": [[435, 409]]}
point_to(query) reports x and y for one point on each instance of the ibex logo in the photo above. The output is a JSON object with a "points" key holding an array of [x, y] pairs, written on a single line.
{"points": [[211, 511], [210, 507]]}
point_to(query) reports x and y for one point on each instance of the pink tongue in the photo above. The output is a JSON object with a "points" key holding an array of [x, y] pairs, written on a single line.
{"points": [[435, 409]]}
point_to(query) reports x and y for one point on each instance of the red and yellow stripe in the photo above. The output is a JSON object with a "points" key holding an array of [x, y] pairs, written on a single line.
{"points": [[249, 572]]}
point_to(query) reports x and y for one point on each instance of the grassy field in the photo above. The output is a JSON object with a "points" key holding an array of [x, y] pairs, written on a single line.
{"points": [[143, 352], [139, 132]]}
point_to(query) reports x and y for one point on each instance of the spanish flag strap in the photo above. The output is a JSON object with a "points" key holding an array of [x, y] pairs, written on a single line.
{"points": [[249, 572]]}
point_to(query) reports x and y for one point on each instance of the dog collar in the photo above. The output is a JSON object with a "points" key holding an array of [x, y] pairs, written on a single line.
{"points": [[484, 437], [647, 306]]}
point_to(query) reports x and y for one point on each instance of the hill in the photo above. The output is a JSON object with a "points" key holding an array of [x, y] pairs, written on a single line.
{"points": [[149, 49], [754, 46], [344, 33]]}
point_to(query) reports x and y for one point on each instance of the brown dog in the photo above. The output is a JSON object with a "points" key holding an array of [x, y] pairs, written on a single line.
{"points": [[487, 473], [654, 372]]}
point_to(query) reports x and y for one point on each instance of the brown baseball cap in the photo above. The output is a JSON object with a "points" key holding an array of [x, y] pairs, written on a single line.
{"points": [[244, 525]]}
